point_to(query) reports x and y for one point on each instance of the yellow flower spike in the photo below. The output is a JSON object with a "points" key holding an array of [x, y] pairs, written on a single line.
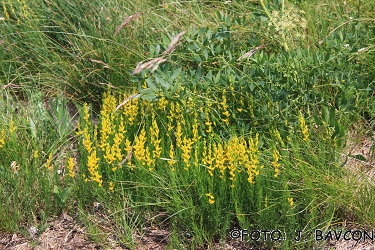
{"points": [[6, 12], [149, 161], [48, 162], [171, 162], [2, 138], [113, 153], [106, 113], [196, 160], [210, 160], [12, 127], [186, 148], [70, 167], [86, 118], [291, 202], [220, 159], [93, 167], [275, 164], [277, 136], [204, 153], [111, 187], [155, 138], [130, 109], [230, 156], [87, 140], [178, 134], [252, 165], [211, 198], [139, 147], [105, 131], [36, 154], [109, 104], [195, 128], [303, 126], [162, 103], [85, 178], [119, 137]]}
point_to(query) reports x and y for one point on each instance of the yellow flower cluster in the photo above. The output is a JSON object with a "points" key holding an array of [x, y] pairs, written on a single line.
{"points": [[162, 104], [304, 128], [178, 134], [139, 147], [2, 138], [253, 166], [235, 156], [196, 138], [106, 115], [224, 108], [291, 202], [155, 140], [12, 127], [186, 147], [171, 161], [48, 162], [6, 13], [113, 152], [276, 134], [70, 167], [207, 158], [208, 122], [92, 160], [211, 198], [87, 143], [131, 109], [275, 164], [171, 117], [93, 167], [111, 187], [220, 159], [23, 10], [231, 158]]}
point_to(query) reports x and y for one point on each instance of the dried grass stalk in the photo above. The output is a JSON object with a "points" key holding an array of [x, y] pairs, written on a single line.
{"points": [[126, 100], [100, 62], [172, 45], [11, 85], [154, 63], [126, 21], [128, 157], [251, 52]]}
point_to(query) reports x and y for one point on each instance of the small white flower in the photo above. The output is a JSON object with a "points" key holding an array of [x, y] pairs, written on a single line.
{"points": [[33, 231], [346, 45]]}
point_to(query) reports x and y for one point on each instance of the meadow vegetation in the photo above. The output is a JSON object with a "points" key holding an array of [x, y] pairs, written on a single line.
{"points": [[196, 116]]}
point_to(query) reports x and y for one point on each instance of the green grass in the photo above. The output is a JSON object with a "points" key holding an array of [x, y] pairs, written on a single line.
{"points": [[211, 143]]}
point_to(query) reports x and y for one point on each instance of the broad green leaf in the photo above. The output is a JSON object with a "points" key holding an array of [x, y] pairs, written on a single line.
{"points": [[166, 40], [176, 73], [359, 157], [65, 194], [32, 127]]}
